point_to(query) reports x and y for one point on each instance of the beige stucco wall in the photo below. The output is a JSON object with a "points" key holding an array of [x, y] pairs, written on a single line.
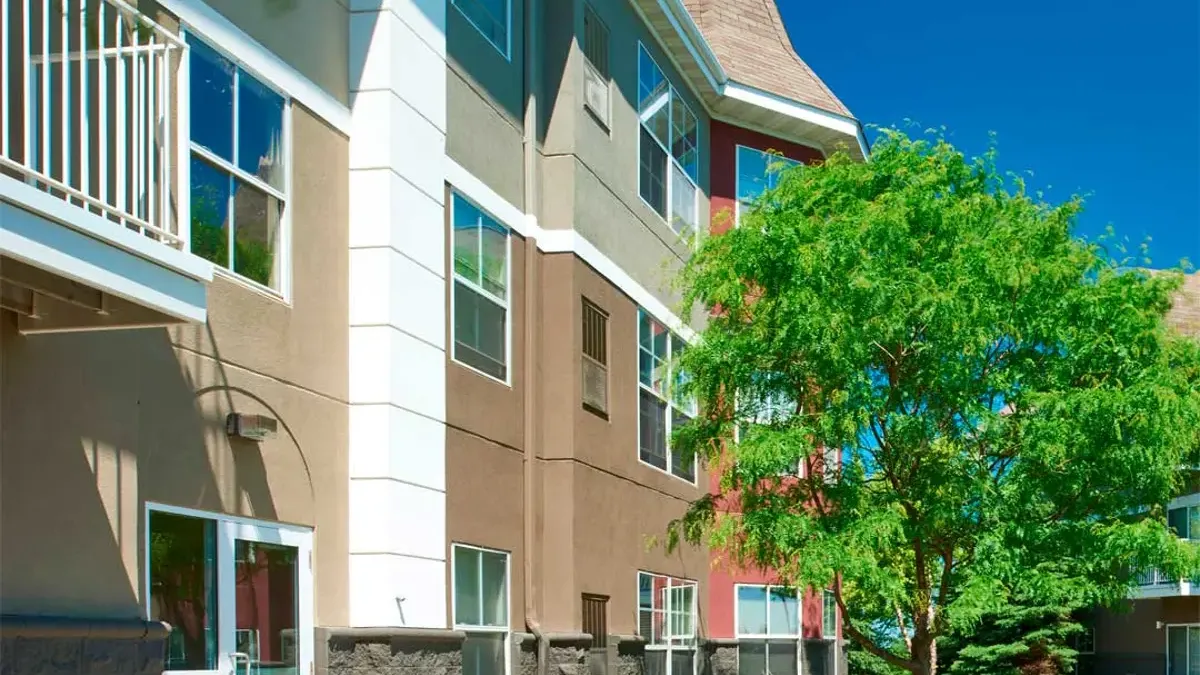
{"points": [[95, 425]]}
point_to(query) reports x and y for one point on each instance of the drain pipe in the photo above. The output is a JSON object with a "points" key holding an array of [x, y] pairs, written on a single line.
{"points": [[529, 436]]}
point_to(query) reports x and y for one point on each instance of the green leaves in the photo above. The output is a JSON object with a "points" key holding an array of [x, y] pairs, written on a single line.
{"points": [[1004, 393]]}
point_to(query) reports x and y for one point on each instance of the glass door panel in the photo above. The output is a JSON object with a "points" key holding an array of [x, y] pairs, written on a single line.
{"points": [[182, 590], [271, 599]]}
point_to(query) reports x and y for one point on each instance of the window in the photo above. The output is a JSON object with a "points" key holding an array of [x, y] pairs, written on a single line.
{"points": [[831, 461], [480, 293], [765, 409], [669, 161], [757, 171], [667, 622], [481, 608], [204, 578], [661, 408], [594, 379], [768, 630], [238, 167], [595, 619], [829, 615], [1183, 649], [491, 18], [1185, 521]]}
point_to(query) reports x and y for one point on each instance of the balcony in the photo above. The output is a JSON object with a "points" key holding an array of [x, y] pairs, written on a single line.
{"points": [[94, 233], [1154, 584]]}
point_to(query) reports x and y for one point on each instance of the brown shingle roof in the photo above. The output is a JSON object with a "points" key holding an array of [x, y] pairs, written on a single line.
{"points": [[753, 47], [1185, 312]]}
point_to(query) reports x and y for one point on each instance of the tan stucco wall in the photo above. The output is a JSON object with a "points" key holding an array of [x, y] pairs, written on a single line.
{"points": [[94, 425], [311, 36]]}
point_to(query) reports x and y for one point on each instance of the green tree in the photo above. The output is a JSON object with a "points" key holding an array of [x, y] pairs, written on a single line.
{"points": [[1004, 397]]}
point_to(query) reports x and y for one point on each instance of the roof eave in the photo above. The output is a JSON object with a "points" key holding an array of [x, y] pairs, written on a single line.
{"points": [[734, 102]]}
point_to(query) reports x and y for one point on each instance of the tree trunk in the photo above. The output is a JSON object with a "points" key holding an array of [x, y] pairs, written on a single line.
{"points": [[925, 657]]}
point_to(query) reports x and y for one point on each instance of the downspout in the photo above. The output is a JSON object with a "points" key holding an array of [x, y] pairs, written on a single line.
{"points": [[529, 433]]}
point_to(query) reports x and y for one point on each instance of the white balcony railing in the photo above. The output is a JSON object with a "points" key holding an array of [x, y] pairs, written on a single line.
{"points": [[89, 90]]}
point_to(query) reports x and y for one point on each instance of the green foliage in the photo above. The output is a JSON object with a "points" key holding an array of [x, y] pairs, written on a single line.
{"points": [[1023, 637], [1005, 396]]}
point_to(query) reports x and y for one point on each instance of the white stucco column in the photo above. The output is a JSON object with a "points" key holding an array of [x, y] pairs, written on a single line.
{"points": [[397, 313]]}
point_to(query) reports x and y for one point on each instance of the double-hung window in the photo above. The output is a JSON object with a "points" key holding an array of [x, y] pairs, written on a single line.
{"points": [[661, 405], [481, 608], [479, 297], [492, 18], [829, 615], [668, 155], [667, 622], [768, 630], [1183, 649], [238, 168], [757, 172], [766, 409]]}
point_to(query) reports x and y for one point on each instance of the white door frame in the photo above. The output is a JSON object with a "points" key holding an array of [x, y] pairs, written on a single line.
{"points": [[229, 529]]}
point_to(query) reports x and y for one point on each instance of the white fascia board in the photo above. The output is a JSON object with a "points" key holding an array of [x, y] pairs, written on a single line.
{"points": [[561, 241], [689, 33], [209, 24], [72, 254]]}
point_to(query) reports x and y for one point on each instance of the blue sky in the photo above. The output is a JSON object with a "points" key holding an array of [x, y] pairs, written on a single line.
{"points": [[1092, 96]]}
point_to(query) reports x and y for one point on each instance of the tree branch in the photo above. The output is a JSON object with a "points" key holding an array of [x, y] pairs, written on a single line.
{"points": [[864, 641]]}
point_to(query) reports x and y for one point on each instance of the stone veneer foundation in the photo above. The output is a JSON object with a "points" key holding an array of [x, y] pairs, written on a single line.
{"points": [[33, 645]]}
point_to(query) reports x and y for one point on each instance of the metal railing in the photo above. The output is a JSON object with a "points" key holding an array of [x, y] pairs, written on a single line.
{"points": [[89, 90]]}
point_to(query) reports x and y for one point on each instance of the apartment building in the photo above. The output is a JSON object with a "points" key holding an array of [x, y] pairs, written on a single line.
{"points": [[335, 332], [1159, 630]]}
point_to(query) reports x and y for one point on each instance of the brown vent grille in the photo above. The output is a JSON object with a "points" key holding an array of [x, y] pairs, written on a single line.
{"points": [[595, 358], [595, 619]]}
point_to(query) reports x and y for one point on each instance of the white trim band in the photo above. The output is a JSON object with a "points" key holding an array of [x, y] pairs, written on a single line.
{"points": [[562, 241]]}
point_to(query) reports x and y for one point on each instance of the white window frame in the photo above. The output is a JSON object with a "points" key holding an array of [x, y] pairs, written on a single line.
{"points": [[767, 638], [472, 628], [506, 52], [189, 148], [737, 176], [828, 593], [665, 397], [227, 529], [506, 303], [669, 643], [672, 95], [1167, 643], [770, 409]]}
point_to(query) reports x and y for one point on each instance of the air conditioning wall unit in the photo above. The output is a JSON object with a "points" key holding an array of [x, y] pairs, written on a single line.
{"points": [[595, 385], [596, 94]]}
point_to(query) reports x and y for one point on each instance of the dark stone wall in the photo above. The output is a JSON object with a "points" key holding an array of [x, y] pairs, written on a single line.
{"points": [[720, 657], [59, 646], [630, 655], [388, 651]]}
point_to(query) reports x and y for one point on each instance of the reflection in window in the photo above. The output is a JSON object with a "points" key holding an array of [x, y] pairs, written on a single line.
{"points": [[768, 630], [662, 408], [669, 162], [183, 588], [238, 167], [265, 577], [757, 172], [481, 608], [480, 294], [490, 17], [667, 621]]}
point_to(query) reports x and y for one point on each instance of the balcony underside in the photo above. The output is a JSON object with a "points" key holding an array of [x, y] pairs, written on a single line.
{"points": [[63, 268]]}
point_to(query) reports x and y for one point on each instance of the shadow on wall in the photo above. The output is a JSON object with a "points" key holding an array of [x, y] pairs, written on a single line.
{"points": [[92, 426]]}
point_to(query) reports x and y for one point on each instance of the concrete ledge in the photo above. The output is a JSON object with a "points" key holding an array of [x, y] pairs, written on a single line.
{"points": [[629, 645], [13, 625], [717, 643], [393, 633]]}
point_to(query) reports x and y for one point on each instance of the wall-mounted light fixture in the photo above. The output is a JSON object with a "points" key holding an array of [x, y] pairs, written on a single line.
{"points": [[252, 427]]}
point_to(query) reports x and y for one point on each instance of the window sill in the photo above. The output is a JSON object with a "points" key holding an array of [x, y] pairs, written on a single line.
{"points": [[480, 373], [596, 411], [643, 462], [251, 285]]}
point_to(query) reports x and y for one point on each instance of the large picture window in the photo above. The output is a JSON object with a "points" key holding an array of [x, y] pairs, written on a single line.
{"points": [[768, 630], [757, 172], [829, 615], [238, 168], [479, 296], [661, 406], [667, 622], [481, 608], [668, 158], [1184, 521]]}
